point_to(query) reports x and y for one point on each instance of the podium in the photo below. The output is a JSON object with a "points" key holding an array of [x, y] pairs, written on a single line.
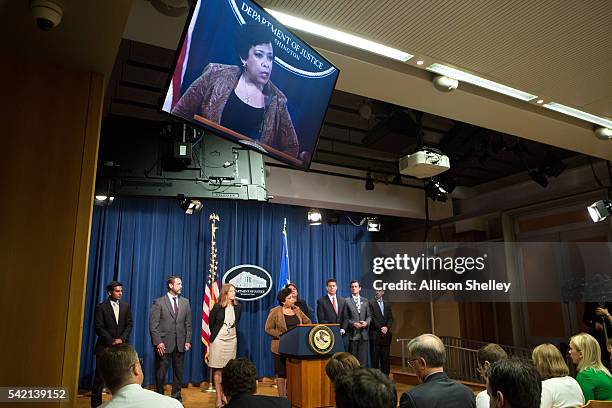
{"points": [[307, 349]]}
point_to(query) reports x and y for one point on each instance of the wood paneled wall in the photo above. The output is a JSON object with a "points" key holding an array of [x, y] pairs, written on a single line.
{"points": [[50, 132]]}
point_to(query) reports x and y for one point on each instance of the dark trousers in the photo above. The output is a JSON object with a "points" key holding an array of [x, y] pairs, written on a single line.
{"points": [[97, 387], [359, 348], [161, 368], [379, 357]]}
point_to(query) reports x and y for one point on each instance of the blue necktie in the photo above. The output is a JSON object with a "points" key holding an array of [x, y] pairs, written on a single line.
{"points": [[382, 307]]}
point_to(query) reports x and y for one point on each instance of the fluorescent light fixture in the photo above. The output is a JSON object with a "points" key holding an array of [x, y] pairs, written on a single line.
{"points": [[598, 120], [478, 81], [339, 36]]}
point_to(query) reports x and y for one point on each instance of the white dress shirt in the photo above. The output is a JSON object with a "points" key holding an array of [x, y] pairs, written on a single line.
{"points": [[561, 392], [482, 399], [134, 396]]}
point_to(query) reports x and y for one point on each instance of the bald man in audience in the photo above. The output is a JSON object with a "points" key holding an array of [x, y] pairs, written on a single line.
{"points": [[513, 383], [426, 356], [487, 356]]}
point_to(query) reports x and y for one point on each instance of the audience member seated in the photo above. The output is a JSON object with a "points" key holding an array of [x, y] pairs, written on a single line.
{"points": [[365, 388], [340, 363], [514, 383], [559, 390], [427, 357], [239, 382], [122, 373], [486, 356], [594, 379]]}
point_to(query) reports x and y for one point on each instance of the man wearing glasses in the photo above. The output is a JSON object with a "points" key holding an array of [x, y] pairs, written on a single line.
{"points": [[427, 357], [122, 372]]}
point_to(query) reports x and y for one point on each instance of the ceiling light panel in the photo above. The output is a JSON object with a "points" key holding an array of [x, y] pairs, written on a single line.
{"points": [[598, 120]]}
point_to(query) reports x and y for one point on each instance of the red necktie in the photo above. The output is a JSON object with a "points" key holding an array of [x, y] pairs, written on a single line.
{"points": [[175, 307], [334, 304]]}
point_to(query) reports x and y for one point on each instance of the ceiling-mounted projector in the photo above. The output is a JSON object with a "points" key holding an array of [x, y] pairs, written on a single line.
{"points": [[424, 163]]}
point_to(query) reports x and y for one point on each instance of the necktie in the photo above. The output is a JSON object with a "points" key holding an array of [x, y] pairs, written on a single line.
{"points": [[382, 307], [335, 305], [358, 303], [175, 307], [116, 311]]}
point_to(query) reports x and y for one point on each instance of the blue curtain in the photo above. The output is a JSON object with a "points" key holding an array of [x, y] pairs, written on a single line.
{"points": [[139, 242]]}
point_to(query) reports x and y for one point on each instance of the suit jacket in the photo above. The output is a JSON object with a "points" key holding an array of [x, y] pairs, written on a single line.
{"points": [[165, 327], [438, 391], [326, 313], [351, 315], [379, 320], [217, 317], [106, 326], [257, 401], [301, 303], [275, 324]]}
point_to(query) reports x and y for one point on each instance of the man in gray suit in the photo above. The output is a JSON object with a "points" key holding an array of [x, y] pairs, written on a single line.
{"points": [[170, 328], [357, 317]]}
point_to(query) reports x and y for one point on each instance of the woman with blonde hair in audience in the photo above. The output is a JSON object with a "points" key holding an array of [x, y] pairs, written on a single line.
{"points": [[339, 363], [559, 390], [594, 379]]}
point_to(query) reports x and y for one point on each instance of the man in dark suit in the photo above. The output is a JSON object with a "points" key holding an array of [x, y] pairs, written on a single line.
{"points": [[113, 325], [427, 357], [330, 309], [170, 329], [240, 383], [380, 332], [357, 317]]}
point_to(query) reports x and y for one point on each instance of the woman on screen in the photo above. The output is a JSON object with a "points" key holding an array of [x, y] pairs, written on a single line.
{"points": [[224, 318], [281, 319], [242, 98]]}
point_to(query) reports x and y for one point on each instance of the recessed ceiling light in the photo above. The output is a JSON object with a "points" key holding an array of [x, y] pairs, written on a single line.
{"points": [[339, 36], [478, 81], [540, 101], [420, 62], [598, 120]]}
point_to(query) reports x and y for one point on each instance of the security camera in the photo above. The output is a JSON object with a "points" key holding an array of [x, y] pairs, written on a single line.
{"points": [[445, 84], [47, 13], [603, 133]]}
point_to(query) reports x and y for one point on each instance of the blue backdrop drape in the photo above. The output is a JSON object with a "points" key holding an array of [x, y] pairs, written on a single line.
{"points": [[139, 242]]}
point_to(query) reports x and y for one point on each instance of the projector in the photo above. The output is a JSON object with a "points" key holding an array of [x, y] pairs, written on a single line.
{"points": [[423, 164]]}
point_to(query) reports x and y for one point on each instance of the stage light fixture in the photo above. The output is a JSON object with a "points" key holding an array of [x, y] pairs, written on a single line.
{"points": [[191, 205], [373, 224], [539, 177], [435, 190], [315, 217], [369, 184], [103, 199], [600, 210]]}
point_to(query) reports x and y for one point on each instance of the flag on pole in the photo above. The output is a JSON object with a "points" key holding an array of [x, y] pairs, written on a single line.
{"points": [[284, 276], [211, 290]]}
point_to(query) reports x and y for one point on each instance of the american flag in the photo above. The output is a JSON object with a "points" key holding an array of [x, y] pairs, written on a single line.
{"points": [[211, 290]]}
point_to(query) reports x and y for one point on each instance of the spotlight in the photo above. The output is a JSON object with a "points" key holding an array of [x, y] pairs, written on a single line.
{"points": [[369, 185], [445, 84], [435, 190], [315, 217], [190, 205], [603, 133], [103, 200], [600, 210], [373, 224]]}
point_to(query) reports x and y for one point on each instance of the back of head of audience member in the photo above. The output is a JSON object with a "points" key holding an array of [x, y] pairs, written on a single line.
{"points": [[120, 366], [586, 353], [239, 377], [514, 383], [426, 355], [365, 388], [340, 363], [549, 362], [489, 354]]}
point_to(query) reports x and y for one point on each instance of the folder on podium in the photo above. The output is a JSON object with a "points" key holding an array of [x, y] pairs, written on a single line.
{"points": [[308, 347]]}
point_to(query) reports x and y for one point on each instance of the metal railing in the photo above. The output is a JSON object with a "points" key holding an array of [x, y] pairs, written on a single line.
{"points": [[461, 357]]}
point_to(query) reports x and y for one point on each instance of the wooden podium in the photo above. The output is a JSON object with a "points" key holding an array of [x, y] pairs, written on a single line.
{"points": [[307, 384]]}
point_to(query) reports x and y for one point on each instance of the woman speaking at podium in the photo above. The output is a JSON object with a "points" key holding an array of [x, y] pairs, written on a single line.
{"points": [[281, 319]]}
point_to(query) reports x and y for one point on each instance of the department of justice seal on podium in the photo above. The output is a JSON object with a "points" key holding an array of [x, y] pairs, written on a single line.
{"points": [[321, 339]]}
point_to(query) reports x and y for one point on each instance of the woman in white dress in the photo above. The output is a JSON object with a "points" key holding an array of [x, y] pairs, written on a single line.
{"points": [[223, 321], [559, 390]]}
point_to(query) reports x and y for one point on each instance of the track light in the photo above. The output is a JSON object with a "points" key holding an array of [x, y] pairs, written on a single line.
{"points": [[369, 184], [190, 205], [435, 190], [600, 210], [103, 199], [603, 133], [315, 217], [373, 224]]}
